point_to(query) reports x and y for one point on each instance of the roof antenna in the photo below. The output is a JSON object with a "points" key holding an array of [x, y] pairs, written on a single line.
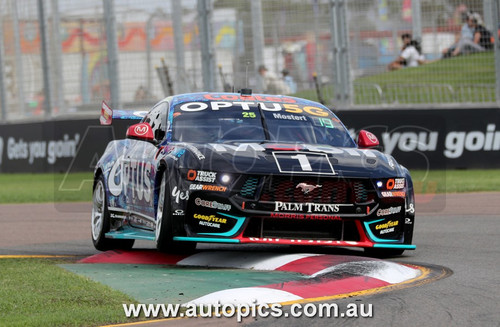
{"points": [[246, 74], [246, 91]]}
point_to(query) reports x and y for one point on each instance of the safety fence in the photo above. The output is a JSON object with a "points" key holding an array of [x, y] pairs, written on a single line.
{"points": [[61, 56]]}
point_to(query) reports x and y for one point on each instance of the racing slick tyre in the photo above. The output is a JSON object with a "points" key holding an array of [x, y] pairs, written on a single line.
{"points": [[382, 253], [101, 221], [164, 231]]}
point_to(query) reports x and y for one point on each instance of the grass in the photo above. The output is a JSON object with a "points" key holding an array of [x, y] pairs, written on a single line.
{"points": [[471, 69], [462, 79], [36, 292], [456, 181], [28, 188], [24, 188]]}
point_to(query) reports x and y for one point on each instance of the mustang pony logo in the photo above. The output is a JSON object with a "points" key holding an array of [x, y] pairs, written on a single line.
{"points": [[306, 188]]}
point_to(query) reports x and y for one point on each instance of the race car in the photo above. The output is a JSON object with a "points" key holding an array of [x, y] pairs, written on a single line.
{"points": [[243, 168]]}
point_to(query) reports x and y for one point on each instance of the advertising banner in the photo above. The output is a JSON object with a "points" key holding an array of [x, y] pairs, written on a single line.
{"points": [[55, 146], [419, 139], [433, 138]]}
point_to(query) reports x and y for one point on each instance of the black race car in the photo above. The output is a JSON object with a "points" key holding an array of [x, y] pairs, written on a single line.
{"points": [[236, 168]]}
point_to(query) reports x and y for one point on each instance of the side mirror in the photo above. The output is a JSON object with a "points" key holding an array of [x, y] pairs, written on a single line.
{"points": [[141, 131], [367, 139]]}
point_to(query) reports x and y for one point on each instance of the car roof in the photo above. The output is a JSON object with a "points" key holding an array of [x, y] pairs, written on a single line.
{"points": [[221, 96]]}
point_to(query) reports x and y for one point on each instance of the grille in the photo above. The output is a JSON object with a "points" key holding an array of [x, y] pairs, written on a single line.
{"points": [[360, 191], [249, 187], [323, 190]]}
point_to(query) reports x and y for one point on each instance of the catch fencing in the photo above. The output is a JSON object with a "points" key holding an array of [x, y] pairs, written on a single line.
{"points": [[60, 57]]}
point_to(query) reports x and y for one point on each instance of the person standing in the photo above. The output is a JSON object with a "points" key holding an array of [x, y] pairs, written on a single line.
{"points": [[288, 79], [271, 83]]}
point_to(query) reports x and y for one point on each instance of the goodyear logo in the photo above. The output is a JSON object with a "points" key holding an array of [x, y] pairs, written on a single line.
{"points": [[389, 224]]}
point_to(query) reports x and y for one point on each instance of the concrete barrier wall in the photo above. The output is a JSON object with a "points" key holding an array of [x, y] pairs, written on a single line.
{"points": [[55, 146], [421, 139], [434, 138]]}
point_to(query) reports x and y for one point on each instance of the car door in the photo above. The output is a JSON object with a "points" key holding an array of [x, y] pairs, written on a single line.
{"points": [[142, 162]]}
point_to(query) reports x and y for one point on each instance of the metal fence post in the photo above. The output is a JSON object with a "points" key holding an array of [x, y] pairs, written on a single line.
{"points": [[149, 76], [3, 94], [45, 61], [346, 65], [205, 11], [258, 32], [416, 20], [112, 45], [495, 6], [179, 46], [340, 49], [315, 8], [19, 58], [337, 83], [487, 16], [57, 57], [84, 78]]}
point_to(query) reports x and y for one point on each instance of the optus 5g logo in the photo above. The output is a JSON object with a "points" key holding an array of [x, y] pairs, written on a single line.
{"points": [[133, 172]]}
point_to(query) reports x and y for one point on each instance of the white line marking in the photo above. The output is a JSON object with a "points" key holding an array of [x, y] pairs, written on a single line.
{"points": [[242, 260], [249, 295]]}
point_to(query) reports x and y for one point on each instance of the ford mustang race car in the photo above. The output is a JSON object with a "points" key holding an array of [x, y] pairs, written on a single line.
{"points": [[248, 168]]}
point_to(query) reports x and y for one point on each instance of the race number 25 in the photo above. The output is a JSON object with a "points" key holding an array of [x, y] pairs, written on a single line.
{"points": [[314, 163]]}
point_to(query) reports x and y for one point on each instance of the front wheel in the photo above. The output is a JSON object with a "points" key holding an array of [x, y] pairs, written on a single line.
{"points": [[101, 221], [164, 232]]}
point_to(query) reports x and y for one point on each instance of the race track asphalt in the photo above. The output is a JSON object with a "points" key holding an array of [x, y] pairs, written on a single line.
{"points": [[457, 231]]}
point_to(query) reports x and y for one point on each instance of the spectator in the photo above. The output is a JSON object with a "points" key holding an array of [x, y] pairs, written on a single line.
{"points": [[140, 94], [271, 83], [289, 81], [466, 33], [481, 41], [411, 54]]}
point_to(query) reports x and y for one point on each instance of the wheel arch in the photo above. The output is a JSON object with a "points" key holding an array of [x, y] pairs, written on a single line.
{"points": [[97, 174], [410, 213], [162, 168]]}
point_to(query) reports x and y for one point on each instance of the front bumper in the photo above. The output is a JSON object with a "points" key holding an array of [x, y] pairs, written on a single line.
{"points": [[252, 216]]}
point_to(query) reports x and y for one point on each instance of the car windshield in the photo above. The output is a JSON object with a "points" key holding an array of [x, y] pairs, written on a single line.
{"points": [[226, 122]]}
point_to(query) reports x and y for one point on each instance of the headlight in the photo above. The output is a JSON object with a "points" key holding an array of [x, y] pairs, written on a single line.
{"points": [[225, 179]]}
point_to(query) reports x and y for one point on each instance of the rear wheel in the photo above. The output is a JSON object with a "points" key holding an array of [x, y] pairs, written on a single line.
{"points": [[164, 231], [101, 221]]}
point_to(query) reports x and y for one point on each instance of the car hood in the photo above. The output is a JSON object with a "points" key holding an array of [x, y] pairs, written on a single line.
{"points": [[284, 158]]}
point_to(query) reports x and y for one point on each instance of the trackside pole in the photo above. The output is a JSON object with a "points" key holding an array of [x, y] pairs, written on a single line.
{"points": [[47, 90], [495, 6], [112, 44], [205, 12], [3, 98]]}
